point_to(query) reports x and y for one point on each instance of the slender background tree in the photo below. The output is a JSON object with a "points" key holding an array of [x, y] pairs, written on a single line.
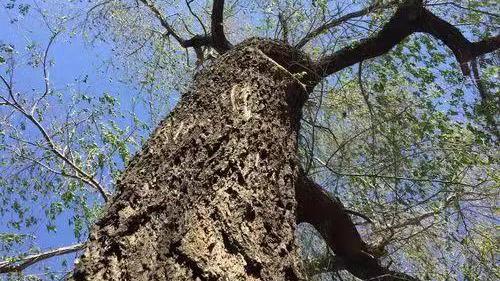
{"points": [[397, 164]]}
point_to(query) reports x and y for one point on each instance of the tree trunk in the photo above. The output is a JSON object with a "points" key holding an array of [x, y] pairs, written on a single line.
{"points": [[211, 196]]}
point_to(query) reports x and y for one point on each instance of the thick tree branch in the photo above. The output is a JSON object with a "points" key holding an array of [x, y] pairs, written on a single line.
{"points": [[338, 21], [410, 17], [328, 216], [22, 263], [217, 38], [220, 42], [463, 49]]}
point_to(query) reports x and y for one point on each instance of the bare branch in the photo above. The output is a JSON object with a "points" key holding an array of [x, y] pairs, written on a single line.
{"points": [[325, 164], [188, 3], [22, 263], [220, 42], [194, 42], [410, 18], [95, 7], [284, 26], [358, 214], [8, 85], [81, 174], [89, 179], [49, 169], [338, 21], [163, 21], [464, 8], [46, 78], [365, 95]]}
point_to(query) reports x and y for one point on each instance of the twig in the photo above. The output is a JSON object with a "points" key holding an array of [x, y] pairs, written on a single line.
{"points": [[22, 263], [45, 71], [391, 177]]}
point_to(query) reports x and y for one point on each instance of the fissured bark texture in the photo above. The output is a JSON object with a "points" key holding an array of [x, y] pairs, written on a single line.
{"points": [[211, 194]]}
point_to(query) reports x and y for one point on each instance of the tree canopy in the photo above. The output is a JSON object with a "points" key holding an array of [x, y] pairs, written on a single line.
{"points": [[401, 127]]}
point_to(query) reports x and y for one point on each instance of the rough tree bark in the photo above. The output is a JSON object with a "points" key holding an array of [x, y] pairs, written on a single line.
{"points": [[211, 194]]}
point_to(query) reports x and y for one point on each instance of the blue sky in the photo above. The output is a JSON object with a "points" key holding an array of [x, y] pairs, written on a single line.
{"points": [[74, 59]]}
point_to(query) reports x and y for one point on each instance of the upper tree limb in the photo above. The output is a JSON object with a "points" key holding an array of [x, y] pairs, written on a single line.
{"points": [[410, 18]]}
